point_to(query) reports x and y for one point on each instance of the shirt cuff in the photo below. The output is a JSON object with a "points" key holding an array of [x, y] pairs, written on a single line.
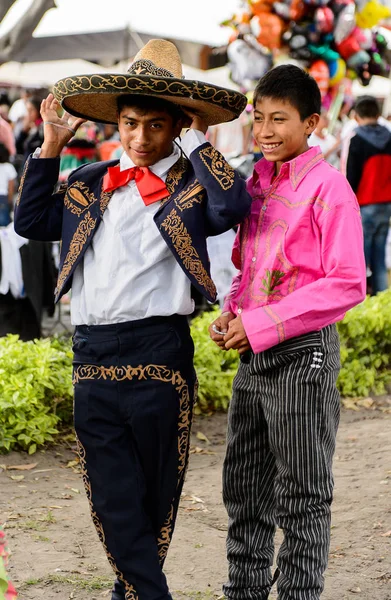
{"points": [[192, 140]]}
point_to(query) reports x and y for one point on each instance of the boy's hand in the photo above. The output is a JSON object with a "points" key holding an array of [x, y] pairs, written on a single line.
{"points": [[58, 130], [236, 337], [220, 324], [195, 121]]}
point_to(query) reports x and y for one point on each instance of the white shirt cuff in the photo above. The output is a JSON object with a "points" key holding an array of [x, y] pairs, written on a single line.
{"points": [[192, 140]]}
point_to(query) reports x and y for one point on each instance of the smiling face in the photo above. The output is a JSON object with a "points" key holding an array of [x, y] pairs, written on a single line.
{"points": [[279, 130], [147, 135]]}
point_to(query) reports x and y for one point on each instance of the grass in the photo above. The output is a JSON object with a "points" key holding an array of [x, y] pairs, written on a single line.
{"points": [[81, 583]]}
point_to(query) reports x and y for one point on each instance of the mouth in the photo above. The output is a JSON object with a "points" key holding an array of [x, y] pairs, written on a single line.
{"points": [[141, 153], [269, 148]]}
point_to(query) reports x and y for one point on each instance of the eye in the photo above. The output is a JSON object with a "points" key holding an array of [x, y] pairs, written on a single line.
{"points": [[156, 126], [279, 119], [258, 119]]}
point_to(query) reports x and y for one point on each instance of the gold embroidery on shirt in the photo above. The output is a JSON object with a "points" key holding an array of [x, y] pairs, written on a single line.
{"points": [[297, 177], [218, 167], [83, 231], [279, 324], [157, 373], [314, 200], [182, 243]]}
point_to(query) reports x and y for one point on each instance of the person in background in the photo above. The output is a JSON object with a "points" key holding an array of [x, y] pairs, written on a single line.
{"points": [[8, 177], [7, 136], [27, 280], [31, 135], [369, 173], [18, 110], [82, 149], [300, 267], [327, 142]]}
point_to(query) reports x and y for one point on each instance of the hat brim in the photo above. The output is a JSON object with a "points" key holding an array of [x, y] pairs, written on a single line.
{"points": [[94, 97]]}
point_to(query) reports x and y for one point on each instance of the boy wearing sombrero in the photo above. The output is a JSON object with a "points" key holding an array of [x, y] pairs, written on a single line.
{"points": [[133, 243]]}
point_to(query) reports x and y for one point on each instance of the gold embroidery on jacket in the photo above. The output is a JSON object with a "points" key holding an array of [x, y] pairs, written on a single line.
{"points": [[130, 592], [176, 173], [218, 167], [182, 243], [104, 200], [194, 194], [157, 373], [83, 231], [21, 184]]}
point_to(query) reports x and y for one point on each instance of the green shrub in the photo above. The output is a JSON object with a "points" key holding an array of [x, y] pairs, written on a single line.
{"points": [[215, 368], [365, 334], [36, 377], [35, 391]]}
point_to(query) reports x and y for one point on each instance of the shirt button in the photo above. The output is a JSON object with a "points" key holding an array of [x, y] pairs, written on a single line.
{"points": [[254, 258], [239, 310], [263, 208]]}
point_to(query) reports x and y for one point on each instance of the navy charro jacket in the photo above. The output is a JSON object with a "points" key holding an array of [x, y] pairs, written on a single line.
{"points": [[207, 197]]}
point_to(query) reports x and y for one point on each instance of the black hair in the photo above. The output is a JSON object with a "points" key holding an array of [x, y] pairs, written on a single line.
{"points": [[290, 84], [4, 154], [148, 103], [36, 102], [367, 107]]}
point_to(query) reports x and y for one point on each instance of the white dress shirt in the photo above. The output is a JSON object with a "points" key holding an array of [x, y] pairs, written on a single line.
{"points": [[128, 272]]}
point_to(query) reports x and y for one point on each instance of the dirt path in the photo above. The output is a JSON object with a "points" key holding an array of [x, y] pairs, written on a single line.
{"points": [[56, 553]]}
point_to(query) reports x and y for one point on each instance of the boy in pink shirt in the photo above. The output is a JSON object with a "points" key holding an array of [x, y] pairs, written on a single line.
{"points": [[300, 262]]}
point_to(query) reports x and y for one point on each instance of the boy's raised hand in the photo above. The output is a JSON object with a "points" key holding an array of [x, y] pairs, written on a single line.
{"points": [[236, 337], [57, 130], [195, 121], [219, 328]]}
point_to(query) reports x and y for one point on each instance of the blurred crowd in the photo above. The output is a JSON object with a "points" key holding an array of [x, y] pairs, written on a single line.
{"points": [[28, 269]]}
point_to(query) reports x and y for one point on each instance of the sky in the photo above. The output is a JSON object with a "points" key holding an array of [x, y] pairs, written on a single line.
{"points": [[196, 20]]}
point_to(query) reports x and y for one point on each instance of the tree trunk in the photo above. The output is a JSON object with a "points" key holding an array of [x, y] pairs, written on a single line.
{"points": [[20, 34]]}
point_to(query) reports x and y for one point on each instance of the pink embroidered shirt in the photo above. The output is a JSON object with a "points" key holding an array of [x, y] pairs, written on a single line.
{"points": [[299, 252]]}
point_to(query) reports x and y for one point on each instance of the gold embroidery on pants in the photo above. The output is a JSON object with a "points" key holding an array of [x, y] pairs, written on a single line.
{"points": [[130, 592], [158, 373]]}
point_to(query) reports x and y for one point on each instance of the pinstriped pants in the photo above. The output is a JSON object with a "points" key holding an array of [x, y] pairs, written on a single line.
{"points": [[282, 425]]}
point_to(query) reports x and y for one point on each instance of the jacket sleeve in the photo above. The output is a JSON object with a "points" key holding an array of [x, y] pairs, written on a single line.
{"points": [[38, 210], [355, 163], [228, 202]]}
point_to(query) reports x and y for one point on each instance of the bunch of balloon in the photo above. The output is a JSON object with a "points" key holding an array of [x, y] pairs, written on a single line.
{"points": [[337, 41]]}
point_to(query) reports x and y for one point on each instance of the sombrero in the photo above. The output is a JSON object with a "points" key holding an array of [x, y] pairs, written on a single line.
{"points": [[155, 71]]}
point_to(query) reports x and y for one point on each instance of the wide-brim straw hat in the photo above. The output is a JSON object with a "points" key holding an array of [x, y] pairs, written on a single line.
{"points": [[155, 71]]}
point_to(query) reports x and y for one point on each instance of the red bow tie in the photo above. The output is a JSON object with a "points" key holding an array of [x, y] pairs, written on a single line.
{"points": [[150, 186]]}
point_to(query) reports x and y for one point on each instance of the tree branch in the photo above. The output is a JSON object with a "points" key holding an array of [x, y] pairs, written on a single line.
{"points": [[21, 33]]}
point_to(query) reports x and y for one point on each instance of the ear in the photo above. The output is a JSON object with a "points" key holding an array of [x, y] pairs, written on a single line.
{"points": [[312, 122], [178, 128]]}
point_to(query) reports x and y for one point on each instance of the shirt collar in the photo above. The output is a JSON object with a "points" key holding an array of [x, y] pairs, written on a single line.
{"points": [[160, 168], [295, 169]]}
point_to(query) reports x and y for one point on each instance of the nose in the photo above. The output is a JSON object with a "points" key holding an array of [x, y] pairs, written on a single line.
{"points": [[141, 135], [266, 129]]}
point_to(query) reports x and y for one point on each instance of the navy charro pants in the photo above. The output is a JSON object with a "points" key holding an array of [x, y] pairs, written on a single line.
{"points": [[134, 390], [283, 420]]}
